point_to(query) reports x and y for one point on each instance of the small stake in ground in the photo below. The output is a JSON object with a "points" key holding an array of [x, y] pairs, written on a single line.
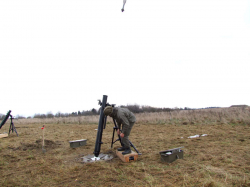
{"points": [[44, 150]]}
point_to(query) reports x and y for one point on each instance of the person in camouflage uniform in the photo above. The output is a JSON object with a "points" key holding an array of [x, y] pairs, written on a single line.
{"points": [[124, 118]]}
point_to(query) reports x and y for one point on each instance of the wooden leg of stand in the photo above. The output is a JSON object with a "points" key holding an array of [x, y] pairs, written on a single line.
{"points": [[43, 138]]}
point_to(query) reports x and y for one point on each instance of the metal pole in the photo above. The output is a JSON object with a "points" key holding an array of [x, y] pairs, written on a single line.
{"points": [[100, 127]]}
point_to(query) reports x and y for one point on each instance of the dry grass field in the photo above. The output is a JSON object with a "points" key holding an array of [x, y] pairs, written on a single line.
{"points": [[222, 158]]}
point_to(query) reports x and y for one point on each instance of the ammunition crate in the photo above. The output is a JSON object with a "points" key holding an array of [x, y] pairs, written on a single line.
{"points": [[77, 143], [170, 156]]}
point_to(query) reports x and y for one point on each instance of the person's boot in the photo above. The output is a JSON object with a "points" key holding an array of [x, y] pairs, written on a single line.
{"points": [[121, 149], [127, 151]]}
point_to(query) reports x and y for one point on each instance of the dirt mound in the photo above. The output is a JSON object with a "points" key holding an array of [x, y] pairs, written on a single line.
{"points": [[48, 144]]}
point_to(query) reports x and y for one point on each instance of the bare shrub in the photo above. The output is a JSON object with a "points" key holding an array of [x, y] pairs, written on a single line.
{"points": [[231, 115]]}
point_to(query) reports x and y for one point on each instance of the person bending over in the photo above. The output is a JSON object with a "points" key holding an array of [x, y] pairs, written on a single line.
{"points": [[125, 119]]}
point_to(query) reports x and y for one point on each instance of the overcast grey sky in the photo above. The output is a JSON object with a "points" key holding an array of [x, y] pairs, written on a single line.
{"points": [[63, 55]]}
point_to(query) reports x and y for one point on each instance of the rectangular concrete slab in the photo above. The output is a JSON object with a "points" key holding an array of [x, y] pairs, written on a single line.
{"points": [[3, 135]]}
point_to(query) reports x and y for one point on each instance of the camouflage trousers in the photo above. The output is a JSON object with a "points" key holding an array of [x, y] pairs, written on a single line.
{"points": [[125, 140]]}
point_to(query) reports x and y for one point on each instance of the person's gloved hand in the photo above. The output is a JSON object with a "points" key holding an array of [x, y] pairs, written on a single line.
{"points": [[121, 135]]}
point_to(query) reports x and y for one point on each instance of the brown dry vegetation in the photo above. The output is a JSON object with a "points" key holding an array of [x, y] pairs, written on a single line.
{"points": [[220, 159]]}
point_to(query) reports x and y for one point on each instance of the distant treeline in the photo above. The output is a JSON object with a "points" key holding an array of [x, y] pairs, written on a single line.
{"points": [[132, 108]]}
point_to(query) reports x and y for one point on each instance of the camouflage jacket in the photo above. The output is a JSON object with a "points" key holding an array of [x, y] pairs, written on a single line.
{"points": [[123, 117]]}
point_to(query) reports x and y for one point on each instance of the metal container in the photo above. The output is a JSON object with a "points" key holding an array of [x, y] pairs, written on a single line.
{"points": [[171, 155], [77, 143]]}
